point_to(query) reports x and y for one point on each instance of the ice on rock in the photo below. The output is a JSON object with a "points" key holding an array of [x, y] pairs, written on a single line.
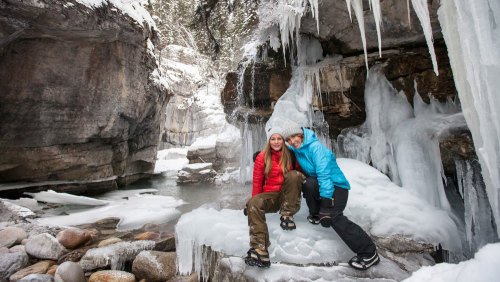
{"points": [[133, 211], [375, 203], [404, 141], [472, 35], [51, 196]]}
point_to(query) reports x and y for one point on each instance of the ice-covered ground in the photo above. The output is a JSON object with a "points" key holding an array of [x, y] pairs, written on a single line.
{"points": [[375, 203]]}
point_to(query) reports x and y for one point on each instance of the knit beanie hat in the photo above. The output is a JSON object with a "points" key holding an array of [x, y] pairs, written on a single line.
{"points": [[291, 129], [274, 130]]}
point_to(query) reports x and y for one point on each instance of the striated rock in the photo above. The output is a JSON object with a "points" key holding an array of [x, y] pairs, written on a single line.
{"points": [[154, 266], [114, 255], [37, 268], [18, 248], [69, 272], [87, 96], [147, 236], [112, 276], [11, 263], [10, 232], [73, 237], [37, 278], [109, 241], [45, 246]]}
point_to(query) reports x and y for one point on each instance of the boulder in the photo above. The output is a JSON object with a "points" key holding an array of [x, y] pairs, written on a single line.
{"points": [[147, 236], [69, 272], [37, 278], [111, 276], [154, 266], [11, 263], [37, 268], [45, 246], [73, 237], [12, 232], [4, 250], [166, 244], [18, 248], [109, 241]]}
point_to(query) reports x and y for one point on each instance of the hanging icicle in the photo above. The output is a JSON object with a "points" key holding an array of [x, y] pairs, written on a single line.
{"points": [[422, 11]]}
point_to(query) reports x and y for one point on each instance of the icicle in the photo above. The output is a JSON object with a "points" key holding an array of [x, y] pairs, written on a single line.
{"points": [[378, 20], [420, 7], [348, 2], [358, 11], [314, 11], [408, 8]]}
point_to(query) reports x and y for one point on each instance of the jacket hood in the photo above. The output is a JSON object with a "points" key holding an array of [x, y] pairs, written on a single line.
{"points": [[309, 137]]}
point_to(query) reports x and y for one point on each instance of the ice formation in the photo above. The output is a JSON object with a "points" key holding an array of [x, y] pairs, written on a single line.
{"points": [[402, 141], [422, 11], [132, 208], [51, 196], [483, 267], [472, 35], [375, 203]]}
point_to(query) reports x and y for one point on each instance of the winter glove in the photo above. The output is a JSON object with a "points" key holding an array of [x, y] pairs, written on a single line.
{"points": [[245, 212], [325, 211]]}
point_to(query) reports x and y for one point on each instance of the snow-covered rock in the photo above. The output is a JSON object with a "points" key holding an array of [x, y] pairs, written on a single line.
{"points": [[114, 255]]}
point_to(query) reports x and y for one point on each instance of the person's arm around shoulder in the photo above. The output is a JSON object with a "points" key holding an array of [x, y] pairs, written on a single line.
{"points": [[258, 174]]}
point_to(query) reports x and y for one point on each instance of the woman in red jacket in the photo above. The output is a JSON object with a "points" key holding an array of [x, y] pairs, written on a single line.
{"points": [[276, 187]]}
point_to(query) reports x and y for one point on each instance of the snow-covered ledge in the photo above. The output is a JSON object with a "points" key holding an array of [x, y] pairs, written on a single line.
{"points": [[378, 205]]}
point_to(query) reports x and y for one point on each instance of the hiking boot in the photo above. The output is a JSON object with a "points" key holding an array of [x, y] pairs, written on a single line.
{"points": [[253, 258], [287, 223], [313, 219], [363, 263]]}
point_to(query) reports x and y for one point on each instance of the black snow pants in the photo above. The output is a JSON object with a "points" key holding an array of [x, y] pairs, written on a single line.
{"points": [[353, 235]]}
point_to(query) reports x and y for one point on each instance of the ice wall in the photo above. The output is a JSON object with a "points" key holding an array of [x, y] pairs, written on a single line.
{"points": [[402, 141], [480, 228], [472, 34]]}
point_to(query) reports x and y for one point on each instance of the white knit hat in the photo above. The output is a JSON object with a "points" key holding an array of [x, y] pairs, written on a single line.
{"points": [[274, 130], [291, 129]]}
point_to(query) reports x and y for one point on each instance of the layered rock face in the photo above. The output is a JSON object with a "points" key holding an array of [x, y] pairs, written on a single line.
{"points": [[77, 103]]}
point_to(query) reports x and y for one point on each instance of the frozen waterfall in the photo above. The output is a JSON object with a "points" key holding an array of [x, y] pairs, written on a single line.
{"points": [[472, 34]]}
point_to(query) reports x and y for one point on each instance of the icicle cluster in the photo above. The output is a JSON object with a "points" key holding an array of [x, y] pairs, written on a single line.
{"points": [[472, 34]]}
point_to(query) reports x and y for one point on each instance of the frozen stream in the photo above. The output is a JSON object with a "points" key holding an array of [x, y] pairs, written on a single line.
{"points": [[169, 202]]}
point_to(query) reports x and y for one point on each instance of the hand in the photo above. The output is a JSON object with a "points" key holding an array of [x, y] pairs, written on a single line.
{"points": [[325, 211]]}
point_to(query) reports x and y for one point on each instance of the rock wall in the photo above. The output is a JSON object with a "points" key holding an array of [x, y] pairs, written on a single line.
{"points": [[77, 103]]}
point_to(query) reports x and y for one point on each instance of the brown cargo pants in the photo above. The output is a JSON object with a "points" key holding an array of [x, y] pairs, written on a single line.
{"points": [[287, 201]]}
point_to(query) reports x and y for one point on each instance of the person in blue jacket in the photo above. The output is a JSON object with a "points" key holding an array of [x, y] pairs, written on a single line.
{"points": [[326, 191]]}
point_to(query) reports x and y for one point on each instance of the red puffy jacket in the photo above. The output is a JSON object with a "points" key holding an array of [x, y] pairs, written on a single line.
{"points": [[275, 180]]}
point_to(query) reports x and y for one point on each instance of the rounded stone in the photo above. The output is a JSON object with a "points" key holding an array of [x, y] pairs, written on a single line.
{"points": [[73, 237], [112, 276], [69, 272]]}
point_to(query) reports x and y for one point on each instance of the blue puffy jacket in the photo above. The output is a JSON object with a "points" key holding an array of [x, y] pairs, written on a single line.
{"points": [[317, 161]]}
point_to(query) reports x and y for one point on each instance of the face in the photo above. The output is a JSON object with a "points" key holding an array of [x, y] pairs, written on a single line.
{"points": [[295, 140], [276, 142]]}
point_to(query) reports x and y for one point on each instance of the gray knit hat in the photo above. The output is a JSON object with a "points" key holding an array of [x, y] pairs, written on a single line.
{"points": [[274, 130], [291, 129]]}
